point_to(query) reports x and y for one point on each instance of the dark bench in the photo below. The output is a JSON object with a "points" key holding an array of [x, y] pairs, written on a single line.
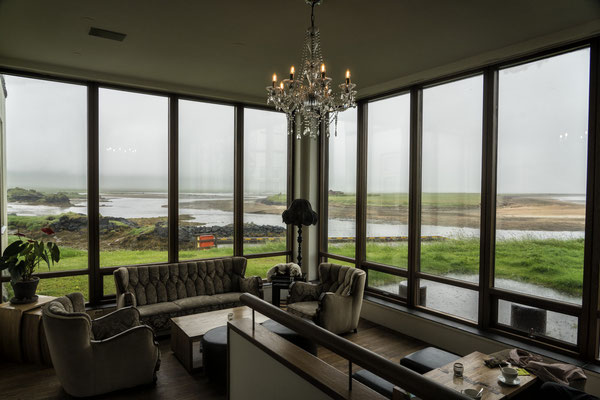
{"points": [[428, 359], [421, 361]]}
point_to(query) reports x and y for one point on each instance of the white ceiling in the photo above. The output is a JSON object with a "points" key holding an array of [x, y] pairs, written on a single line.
{"points": [[230, 48]]}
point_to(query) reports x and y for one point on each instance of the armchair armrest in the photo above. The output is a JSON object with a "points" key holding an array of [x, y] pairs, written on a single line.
{"points": [[335, 312], [115, 322], [126, 299], [132, 355], [252, 285], [303, 291]]}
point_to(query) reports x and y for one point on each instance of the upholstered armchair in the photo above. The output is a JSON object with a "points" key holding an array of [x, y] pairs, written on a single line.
{"points": [[92, 357], [335, 302]]}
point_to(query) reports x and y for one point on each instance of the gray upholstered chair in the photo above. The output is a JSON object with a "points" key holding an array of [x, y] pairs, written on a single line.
{"points": [[335, 302], [94, 357]]}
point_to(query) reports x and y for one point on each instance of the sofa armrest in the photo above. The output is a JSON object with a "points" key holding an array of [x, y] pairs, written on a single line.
{"points": [[126, 299], [335, 312], [303, 291], [252, 285], [116, 322]]}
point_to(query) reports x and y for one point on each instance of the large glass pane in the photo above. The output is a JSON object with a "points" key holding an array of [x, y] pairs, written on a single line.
{"points": [[61, 286], [265, 181], [387, 181], [542, 158], [387, 283], [537, 321], [46, 139], [206, 134], [133, 178], [341, 197], [260, 266], [449, 299], [451, 180]]}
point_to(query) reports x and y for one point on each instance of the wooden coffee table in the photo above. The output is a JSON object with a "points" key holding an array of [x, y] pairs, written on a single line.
{"points": [[188, 330], [476, 375]]}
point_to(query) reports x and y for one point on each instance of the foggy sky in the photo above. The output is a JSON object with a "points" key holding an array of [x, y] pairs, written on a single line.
{"points": [[541, 146]]}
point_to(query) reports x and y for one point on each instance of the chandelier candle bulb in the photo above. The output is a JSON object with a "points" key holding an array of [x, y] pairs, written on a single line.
{"points": [[281, 86], [347, 76], [323, 71], [292, 73], [274, 79]]}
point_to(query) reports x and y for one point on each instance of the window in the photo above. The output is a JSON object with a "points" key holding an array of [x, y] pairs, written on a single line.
{"points": [[451, 179], [133, 142], [542, 163], [206, 159], [387, 181], [265, 183], [46, 139], [341, 197]]}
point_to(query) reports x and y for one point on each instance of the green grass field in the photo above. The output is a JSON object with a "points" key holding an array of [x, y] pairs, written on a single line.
{"points": [[72, 259], [555, 264]]}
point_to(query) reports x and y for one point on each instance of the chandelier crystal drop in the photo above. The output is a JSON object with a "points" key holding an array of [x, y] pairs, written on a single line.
{"points": [[307, 98]]}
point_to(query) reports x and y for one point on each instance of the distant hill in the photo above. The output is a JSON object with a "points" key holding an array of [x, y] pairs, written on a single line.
{"points": [[30, 196]]}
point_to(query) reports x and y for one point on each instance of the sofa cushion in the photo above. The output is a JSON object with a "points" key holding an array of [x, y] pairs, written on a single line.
{"points": [[158, 308], [228, 298], [197, 302], [304, 309], [428, 359]]}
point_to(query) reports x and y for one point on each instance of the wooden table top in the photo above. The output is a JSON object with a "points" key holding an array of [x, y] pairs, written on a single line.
{"points": [[197, 325], [26, 307], [476, 375]]}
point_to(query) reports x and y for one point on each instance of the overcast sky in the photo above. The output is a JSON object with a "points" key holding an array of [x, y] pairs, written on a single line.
{"points": [[541, 146]]}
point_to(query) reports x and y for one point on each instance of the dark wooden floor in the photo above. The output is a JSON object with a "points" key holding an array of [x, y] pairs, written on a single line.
{"points": [[30, 382]]}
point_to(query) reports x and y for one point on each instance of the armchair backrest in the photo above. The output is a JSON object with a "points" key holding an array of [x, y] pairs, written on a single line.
{"points": [[153, 284], [339, 279], [68, 332], [344, 281]]}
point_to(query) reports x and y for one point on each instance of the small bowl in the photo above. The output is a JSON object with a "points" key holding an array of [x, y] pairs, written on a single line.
{"points": [[473, 393]]}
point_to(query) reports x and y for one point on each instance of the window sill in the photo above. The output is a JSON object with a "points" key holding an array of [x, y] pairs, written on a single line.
{"points": [[590, 366]]}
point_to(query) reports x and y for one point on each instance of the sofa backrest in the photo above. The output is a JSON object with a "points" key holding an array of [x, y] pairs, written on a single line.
{"points": [[153, 284], [338, 279]]}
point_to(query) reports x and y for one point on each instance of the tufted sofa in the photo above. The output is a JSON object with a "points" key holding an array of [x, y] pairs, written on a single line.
{"points": [[335, 302], [161, 292]]}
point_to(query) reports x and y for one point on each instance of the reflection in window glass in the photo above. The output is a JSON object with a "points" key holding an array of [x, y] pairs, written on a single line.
{"points": [[449, 299], [387, 181], [265, 181], [133, 142], [46, 160], [341, 198], [542, 158], [537, 321], [206, 134], [451, 180]]}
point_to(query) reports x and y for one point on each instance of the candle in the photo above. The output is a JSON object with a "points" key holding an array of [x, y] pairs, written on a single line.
{"points": [[323, 71], [347, 76], [281, 86], [274, 79], [292, 73]]}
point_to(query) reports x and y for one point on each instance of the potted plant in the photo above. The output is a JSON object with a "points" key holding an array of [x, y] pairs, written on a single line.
{"points": [[22, 258]]}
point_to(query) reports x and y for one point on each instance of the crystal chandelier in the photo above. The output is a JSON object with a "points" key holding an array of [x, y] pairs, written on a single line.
{"points": [[308, 99]]}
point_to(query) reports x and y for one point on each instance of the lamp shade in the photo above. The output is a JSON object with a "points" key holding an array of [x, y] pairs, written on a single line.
{"points": [[300, 213]]}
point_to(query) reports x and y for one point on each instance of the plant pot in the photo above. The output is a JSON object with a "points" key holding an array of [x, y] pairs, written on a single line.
{"points": [[25, 291]]}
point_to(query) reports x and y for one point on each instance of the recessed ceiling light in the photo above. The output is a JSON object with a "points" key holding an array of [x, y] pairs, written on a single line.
{"points": [[103, 33]]}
